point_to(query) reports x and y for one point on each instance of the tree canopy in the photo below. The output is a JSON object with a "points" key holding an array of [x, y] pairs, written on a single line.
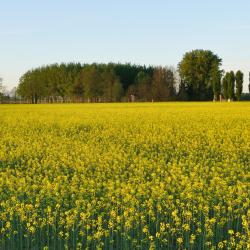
{"points": [[200, 73], [239, 84], [97, 83]]}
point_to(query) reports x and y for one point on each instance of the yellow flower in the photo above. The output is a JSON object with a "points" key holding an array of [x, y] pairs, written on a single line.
{"points": [[7, 225], [157, 235], [179, 240], [186, 227], [145, 229], [220, 245], [99, 173], [151, 238]]}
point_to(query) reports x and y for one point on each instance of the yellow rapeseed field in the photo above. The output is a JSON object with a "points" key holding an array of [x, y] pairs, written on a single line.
{"points": [[125, 176]]}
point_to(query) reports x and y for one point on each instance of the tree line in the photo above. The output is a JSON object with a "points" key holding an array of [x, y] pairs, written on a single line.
{"points": [[198, 77], [98, 83], [203, 79]]}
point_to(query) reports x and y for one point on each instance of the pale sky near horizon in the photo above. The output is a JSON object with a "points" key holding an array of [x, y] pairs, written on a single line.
{"points": [[34, 33]]}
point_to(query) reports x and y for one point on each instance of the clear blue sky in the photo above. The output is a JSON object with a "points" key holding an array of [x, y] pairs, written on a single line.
{"points": [[34, 33]]}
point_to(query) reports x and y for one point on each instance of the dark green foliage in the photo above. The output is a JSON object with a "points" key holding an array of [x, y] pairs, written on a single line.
{"points": [[231, 85], [228, 85], [215, 80], [245, 97], [183, 91], [127, 73], [200, 71], [112, 87], [225, 86], [239, 84], [91, 83]]}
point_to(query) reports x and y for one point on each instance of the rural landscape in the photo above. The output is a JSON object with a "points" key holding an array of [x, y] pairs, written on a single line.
{"points": [[115, 135]]}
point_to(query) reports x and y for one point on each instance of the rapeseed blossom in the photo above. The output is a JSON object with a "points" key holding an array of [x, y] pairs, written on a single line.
{"points": [[125, 176]]}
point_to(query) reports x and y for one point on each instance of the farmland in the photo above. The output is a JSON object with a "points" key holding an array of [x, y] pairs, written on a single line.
{"points": [[125, 176]]}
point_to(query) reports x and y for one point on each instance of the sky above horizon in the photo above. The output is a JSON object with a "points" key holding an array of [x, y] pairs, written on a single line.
{"points": [[35, 33]]}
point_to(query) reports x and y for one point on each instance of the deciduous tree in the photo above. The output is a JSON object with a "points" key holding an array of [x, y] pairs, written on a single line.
{"points": [[231, 85], [200, 70], [239, 83]]}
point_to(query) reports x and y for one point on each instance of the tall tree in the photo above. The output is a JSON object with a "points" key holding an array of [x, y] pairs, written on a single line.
{"points": [[231, 85], [182, 93], [215, 81], [78, 86], [163, 84], [31, 86], [117, 91], [111, 84], [225, 86], [92, 82], [196, 69], [143, 86], [239, 83]]}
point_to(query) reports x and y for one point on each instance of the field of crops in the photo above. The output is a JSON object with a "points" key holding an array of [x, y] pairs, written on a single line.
{"points": [[125, 176]]}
